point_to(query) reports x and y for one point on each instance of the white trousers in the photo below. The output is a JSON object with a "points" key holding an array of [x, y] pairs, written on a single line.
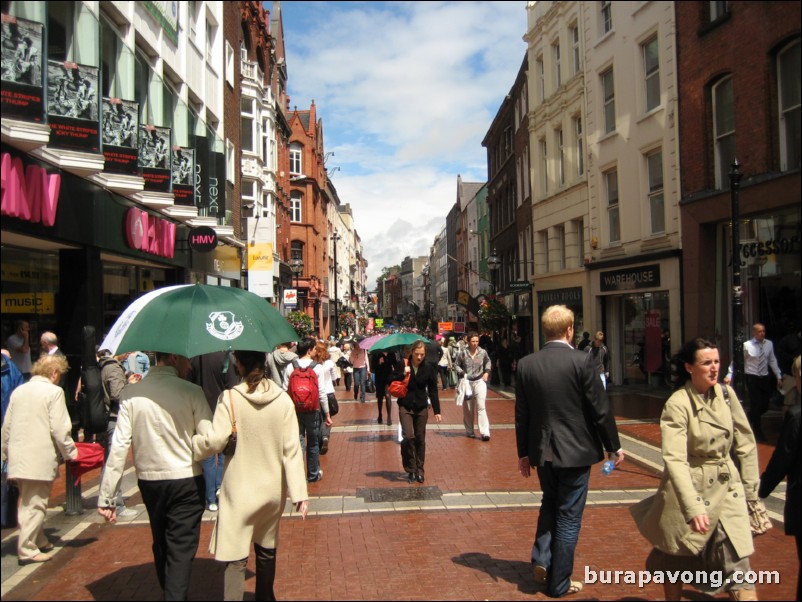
{"points": [[476, 404], [33, 496]]}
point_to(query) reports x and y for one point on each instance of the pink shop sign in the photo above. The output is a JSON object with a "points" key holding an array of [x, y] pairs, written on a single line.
{"points": [[29, 192], [150, 234]]}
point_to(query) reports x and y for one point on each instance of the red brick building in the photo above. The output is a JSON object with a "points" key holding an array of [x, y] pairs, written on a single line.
{"points": [[739, 96]]}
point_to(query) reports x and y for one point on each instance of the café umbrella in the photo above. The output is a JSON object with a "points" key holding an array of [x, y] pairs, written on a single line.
{"points": [[194, 319]]}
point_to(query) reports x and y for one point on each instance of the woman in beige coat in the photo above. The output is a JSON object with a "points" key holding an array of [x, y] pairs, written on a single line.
{"points": [[36, 435], [698, 520], [267, 466]]}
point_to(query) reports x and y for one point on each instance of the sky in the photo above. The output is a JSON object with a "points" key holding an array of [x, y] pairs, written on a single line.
{"points": [[406, 92]]}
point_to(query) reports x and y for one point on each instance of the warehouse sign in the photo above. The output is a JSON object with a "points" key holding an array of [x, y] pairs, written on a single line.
{"points": [[647, 276]]}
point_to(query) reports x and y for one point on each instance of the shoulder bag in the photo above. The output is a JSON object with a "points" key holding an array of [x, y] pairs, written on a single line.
{"points": [[231, 446]]}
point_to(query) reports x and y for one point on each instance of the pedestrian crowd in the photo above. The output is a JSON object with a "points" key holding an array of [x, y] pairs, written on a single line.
{"points": [[238, 433]]}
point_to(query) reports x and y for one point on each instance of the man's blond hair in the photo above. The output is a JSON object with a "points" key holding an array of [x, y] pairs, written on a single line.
{"points": [[556, 320]]}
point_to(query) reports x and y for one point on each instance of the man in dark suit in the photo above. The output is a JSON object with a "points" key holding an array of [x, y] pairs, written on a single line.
{"points": [[562, 421]]}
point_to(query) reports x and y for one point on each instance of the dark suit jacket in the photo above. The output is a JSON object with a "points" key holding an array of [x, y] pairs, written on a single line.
{"points": [[561, 409], [422, 387], [785, 462]]}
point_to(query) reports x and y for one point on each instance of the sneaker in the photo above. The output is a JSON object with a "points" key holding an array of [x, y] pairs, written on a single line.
{"points": [[324, 446], [213, 507], [126, 513], [540, 573]]}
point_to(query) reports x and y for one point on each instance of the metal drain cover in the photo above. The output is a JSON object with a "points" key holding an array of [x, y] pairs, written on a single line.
{"points": [[399, 494]]}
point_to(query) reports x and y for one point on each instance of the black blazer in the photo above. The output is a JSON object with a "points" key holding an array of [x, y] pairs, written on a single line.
{"points": [[785, 462], [422, 385], [561, 409]]}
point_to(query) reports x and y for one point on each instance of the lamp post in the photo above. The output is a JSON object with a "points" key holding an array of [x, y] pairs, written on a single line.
{"points": [[297, 267], [494, 263], [737, 309], [334, 238]]}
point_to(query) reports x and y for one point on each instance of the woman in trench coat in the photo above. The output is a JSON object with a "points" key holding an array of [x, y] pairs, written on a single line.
{"points": [[698, 520]]}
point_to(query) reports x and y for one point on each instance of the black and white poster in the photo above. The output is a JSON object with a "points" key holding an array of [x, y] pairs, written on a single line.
{"points": [[72, 106], [184, 175], [155, 157], [120, 135], [22, 92]]}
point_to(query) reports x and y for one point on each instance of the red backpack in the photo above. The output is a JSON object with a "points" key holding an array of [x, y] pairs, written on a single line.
{"points": [[303, 388]]}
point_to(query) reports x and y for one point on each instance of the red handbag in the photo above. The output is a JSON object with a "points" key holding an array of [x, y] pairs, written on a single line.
{"points": [[399, 388]]}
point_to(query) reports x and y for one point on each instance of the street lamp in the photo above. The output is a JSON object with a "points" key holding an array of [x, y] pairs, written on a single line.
{"points": [[737, 315], [494, 263], [335, 237], [297, 267]]}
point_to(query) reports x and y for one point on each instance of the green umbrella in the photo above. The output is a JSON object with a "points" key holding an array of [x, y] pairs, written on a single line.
{"points": [[194, 319], [397, 341]]}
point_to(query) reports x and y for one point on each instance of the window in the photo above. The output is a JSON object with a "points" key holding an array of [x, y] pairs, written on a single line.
{"points": [[651, 69], [193, 16], [608, 92], [606, 8], [654, 165], [723, 130], [541, 79], [580, 146], [558, 137], [231, 158], [577, 65], [544, 167], [229, 64], [211, 34], [248, 125], [297, 250], [613, 216], [788, 76], [559, 246], [579, 227], [248, 192], [718, 9], [296, 156], [555, 54], [296, 204]]}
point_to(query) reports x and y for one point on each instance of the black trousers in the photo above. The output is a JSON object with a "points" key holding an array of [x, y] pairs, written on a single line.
{"points": [[175, 508], [760, 389], [413, 445]]}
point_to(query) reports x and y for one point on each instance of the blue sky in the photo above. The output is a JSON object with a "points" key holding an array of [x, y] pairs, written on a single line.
{"points": [[406, 92]]}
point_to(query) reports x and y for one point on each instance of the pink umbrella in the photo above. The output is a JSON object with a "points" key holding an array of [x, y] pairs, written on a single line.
{"points": [[368, 342]]}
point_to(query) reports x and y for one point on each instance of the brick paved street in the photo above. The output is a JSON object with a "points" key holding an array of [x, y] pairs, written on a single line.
{"points": [[470, 540]]}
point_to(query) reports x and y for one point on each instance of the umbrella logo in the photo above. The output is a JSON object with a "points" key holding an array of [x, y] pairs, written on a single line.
{"points": [[224, 326]]}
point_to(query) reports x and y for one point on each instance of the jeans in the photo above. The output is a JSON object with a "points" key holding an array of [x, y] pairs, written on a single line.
{"points": [[565, 491], [359, 382], [309, 425], [213, 476]]}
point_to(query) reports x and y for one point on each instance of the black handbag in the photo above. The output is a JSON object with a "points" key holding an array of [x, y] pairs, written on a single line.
{"points": [[231, 446], [334, 406], [370, 386]]}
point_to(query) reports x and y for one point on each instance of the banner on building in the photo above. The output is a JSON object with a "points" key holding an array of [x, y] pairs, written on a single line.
{"points": [[260, 269], [184, 176], [72, 106], [119, 135], [154, 157], [22, 93]]}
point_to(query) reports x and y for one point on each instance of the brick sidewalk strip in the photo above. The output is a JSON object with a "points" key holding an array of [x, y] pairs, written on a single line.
{"points": [[466, 533]]}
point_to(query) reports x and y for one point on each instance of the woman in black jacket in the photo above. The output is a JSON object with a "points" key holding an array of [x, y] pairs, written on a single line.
{"points": [[413, 409]]}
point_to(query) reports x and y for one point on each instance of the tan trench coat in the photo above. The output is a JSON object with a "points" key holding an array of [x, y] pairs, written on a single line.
{"points": [[700, 476]]}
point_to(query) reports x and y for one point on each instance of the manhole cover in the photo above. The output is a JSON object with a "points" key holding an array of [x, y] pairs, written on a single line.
{"points": [[399, 494]]}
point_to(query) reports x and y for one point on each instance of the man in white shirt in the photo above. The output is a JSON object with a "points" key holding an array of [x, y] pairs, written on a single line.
{"points": [[760, 384], [158, 416], [20, 348]]}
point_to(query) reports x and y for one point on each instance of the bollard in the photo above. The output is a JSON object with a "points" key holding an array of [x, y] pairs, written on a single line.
{"points": [[74, 505]]}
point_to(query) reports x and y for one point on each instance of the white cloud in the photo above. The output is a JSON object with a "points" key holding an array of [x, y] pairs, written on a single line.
{"points": [[406, 92]]}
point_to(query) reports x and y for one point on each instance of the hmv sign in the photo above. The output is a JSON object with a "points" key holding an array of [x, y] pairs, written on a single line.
{"points": [[203, 239]]}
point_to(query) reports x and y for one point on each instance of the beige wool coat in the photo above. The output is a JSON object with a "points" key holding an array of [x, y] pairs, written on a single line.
{"points": [[36, 431], [267, 467], [700, 475]]}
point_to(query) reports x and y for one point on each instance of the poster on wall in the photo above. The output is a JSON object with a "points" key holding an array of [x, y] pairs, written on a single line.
{"points": [[72, 106], [119, 134], [22, 93], [154, 157], [184, 175]]}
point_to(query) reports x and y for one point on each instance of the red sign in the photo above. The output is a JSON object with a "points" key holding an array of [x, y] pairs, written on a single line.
{"points": [[29, 193], [149, 233]]}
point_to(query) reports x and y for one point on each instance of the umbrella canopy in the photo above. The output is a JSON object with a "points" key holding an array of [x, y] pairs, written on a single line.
{"points": [[397, 341], [368, 342], [194, 319]]}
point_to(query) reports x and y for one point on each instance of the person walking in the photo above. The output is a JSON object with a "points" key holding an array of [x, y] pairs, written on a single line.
{"points": [[583, 344], [474, 364], [758, 359], [347, 366], [266, 468], [20, 347], [35, 435], [562, 420], [321, 355], [413, 409], [335, 353], [785, 462], [359, 361], [445, 365], [214, 373], [384, 364], [158, 416], [601, 357], [698, 520], [278, 360]]}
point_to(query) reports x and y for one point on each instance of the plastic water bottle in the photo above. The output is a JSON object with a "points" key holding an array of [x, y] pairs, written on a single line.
{"points": [[608, 467]]}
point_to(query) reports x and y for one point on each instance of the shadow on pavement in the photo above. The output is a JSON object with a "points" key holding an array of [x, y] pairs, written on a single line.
{"points": [[388, 475], [517, 572]]}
